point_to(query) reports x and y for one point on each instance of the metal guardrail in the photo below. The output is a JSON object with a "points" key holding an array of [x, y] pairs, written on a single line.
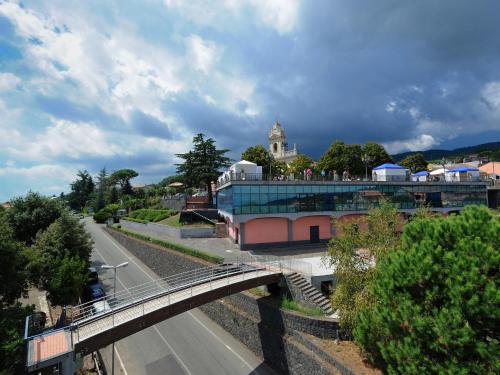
{"points": [[142, 293]]}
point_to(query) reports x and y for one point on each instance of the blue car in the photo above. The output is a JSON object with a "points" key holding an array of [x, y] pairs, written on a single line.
{"points": [[94, 292]]}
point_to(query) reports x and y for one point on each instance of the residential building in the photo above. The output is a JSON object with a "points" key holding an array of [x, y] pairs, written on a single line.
{"points": [[492, 170]]}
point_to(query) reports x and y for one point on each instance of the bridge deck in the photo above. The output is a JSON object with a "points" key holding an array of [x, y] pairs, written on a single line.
{"points": [[99, 324]]}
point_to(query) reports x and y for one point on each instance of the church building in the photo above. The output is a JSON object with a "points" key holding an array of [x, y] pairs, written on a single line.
{"points": [[278, 146]]}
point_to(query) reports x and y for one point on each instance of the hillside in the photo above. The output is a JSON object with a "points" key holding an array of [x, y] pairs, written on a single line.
{"points": [[491, 149]]}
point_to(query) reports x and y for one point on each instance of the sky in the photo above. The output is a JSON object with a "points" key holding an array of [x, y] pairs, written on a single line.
{"points": [[127, 84]]}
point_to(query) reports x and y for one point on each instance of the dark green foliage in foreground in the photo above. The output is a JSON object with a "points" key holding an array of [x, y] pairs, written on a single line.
{"points": [[59, 260], [13, 278], [173, 246], [12, 348], [32, 213], [437, 299], [13, 283]]}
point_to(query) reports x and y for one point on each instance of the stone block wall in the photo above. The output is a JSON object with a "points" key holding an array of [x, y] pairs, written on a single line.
{"points": [[270, 333]]}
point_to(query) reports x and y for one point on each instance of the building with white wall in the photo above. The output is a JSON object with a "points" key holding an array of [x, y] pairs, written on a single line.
{"points": [[390, 172]]}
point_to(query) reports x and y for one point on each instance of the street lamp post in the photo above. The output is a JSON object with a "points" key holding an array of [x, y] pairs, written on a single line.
{"points": [[107, 267], [443, 163]]}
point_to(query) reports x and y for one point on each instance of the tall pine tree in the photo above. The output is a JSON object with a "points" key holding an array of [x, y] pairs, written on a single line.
{"points": [[203, 163]]}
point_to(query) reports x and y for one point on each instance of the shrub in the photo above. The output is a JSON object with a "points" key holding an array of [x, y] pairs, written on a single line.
{"points": [[437, 299], [101, 216], [152, 215]]}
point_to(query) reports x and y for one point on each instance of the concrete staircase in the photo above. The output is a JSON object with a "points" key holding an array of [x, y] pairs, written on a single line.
{"points": [[302, 289]]}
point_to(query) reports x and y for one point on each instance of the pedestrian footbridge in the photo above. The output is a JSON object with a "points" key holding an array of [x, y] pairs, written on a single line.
{"points": [[98, 323]]}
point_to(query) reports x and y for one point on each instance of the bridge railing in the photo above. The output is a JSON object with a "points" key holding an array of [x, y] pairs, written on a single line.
{"points": [[186, 280]]}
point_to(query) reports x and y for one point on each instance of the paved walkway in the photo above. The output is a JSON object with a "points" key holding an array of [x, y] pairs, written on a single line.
{"points": [[224, 247]]}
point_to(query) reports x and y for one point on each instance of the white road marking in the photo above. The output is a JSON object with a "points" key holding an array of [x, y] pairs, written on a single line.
{"points": [[155, 328], [229, 251], [189, 312], [120, 360], [172, 350], [223, 343]]}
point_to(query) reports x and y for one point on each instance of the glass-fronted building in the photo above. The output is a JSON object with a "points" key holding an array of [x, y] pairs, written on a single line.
{"points": [[262, 213]]}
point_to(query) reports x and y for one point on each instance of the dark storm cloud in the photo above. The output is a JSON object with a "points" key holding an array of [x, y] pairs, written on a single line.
{"points": [[65, 109], [149, 126], [347, 60]]}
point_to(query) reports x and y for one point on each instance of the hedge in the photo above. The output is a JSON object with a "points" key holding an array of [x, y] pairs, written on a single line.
{"points": [[149, 214], [173, 246]]}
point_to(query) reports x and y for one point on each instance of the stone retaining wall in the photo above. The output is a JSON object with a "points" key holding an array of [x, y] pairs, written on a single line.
{"points": [[160, 229], [270, 333]]}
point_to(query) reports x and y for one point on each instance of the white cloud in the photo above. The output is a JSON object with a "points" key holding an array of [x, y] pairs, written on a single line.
{"points": [[8, 81], [391, 106], [280, 15], [204, 53], [69, 139], [422, 142], [47, 171], [491, 94]]}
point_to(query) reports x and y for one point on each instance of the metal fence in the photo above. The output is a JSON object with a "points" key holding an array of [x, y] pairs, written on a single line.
{"points": [[185, 281]]}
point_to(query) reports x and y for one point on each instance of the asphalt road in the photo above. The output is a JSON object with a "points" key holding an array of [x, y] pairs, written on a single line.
{"points": [[187, 344]]}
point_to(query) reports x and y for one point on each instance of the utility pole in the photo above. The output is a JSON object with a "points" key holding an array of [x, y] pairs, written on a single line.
{"points": [[105, 266]]}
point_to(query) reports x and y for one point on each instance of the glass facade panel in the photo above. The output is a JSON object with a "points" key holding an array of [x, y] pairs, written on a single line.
{"points": [[274, 198]]}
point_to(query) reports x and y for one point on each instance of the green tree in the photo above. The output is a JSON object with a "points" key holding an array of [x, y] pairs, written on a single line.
{"points": [[32, 213], [203, 163], [278, 168], [375, 155], [353, 255], [301, 163], [259, 155], [63, 245], [113, 195], [437, 299], [12, 346], [122, 177], [13, 278], [13, 283], [81, 190], [342, 157], [415, 162], [102, 186]]}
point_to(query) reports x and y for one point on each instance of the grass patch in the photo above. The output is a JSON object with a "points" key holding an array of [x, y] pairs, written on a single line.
{"points": [[172, 221], [288, 304], [258, 292], [135, 220], [173, 246]]}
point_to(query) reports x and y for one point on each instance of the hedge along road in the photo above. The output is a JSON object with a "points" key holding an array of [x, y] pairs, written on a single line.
{"points": [[188, 344]]}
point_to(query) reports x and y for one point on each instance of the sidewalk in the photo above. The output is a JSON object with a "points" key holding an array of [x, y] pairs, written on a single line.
{"points": [[39, 299], [224, 247]]}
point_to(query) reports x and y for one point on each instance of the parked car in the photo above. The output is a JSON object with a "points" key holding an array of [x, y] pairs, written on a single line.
{"points": [[93, 275], [94, 292], [101, 306]]}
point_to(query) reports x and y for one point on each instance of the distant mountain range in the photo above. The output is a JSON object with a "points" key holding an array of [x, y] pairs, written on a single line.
{"points": [[492, 148]]}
